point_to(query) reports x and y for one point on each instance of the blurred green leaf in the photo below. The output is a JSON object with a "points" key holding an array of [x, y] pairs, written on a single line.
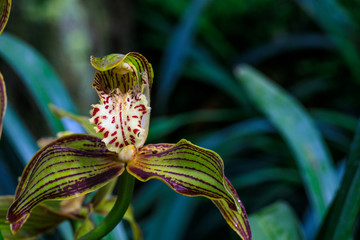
{"points": [[205, 68], [344, 211], [82, 120], [38, 76], [18, 135], [287, 114], [177, 51], [86, 226], [276, 222], [162, 126], [334, 19]]}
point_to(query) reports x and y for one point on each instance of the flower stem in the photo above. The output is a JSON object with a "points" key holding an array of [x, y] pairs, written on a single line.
{"points": [[126, 187]]}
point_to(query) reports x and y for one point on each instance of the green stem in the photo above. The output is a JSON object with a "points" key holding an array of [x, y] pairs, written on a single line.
{"points": [[126, 187]]}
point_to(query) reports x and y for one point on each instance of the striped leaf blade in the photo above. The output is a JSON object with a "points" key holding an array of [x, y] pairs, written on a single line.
{"points": [[3, 101], [5, 6], [192, 171], [68, 167]]}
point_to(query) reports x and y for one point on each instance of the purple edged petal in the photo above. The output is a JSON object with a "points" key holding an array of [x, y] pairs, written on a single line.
{"points": [[68, 167], [192, 171]]}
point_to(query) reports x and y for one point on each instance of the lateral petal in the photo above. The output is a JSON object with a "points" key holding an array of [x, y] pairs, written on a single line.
{"points": [[68, 167]]}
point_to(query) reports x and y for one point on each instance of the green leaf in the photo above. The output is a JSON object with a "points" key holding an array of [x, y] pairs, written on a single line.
{"points": [[276, 222], [192, 171], [5, 6], [84, 121], [3, 102], [287, 114], [333, 18], [41, 220], [344, 211], [38, 76], [68, 167], [84, 228], [175, 56]]}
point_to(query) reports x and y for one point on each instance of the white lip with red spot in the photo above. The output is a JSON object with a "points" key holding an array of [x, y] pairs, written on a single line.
{"points": [[122, 119]]}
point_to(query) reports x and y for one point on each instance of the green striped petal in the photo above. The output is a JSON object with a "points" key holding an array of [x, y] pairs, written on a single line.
{"points": [[3, 101], [192, 171], [41, 220], [5, 6], [68, 167]]}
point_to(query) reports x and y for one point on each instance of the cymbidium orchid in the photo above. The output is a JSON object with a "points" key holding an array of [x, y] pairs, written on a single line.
{"points": [[77, 164]]}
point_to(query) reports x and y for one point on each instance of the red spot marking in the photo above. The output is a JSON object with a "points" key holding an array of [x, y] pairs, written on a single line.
{"points": [[125, 123], [106, 134], [136, 130], [128, 118], [95, 111], [113, 140], [96, 120], [114, 133], [121, 145], [107, 107], [134, 116], [110, 111], [104, 117], [117, 126], [129, 129], [141, 107], [113, 119], [116, 144], [102, 129]]}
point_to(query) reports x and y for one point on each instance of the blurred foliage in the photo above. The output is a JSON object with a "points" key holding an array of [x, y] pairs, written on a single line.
{"points": [[309, 48]]}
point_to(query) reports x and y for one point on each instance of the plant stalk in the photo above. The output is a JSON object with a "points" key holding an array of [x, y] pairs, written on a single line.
{"points": [[126, 187]]}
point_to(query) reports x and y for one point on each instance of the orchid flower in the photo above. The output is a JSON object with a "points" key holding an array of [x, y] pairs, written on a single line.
{"points": [[77, 164]]}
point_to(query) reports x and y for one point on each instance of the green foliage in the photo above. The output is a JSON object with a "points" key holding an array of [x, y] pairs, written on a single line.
{"points": [[269, 223]]}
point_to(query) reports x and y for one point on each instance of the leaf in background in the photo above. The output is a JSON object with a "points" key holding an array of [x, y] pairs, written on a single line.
{"points": [[276, 222], [344, 211], [38, 76], [18, 135], [3, 102], [162, 126], [82, 120], [205, 68], [5, 6], [41, 220], [297, 128], [176, 52], [68, 167], [333, 18], [86, 226], [192, 171]]}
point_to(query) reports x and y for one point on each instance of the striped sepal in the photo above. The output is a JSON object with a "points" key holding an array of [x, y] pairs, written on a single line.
{"points": [[68, 167], [121, 71], [5, 6], [41, 220], [191, 171], [3, 101], [237, 220]]}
